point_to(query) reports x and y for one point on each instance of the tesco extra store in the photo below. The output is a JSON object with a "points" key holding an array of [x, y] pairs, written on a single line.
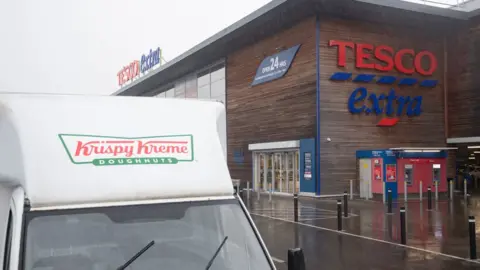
{"points": [[322, 94]]}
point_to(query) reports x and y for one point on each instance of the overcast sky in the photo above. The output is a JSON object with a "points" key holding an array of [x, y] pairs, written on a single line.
{"points": [[78, 46]]}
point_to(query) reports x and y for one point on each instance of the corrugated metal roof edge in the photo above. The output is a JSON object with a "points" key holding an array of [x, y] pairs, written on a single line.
{"points": [[454, 14]]}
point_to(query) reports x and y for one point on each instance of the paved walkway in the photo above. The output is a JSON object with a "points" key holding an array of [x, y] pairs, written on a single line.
{"points": [[437, 239]]}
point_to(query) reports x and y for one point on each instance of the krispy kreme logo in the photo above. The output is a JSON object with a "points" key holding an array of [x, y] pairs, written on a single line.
{"points": [[106, 150]]}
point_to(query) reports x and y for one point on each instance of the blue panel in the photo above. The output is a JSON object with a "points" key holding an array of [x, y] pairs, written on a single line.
{"points": [[407, 81], [307, 166], [275, 66], [390, 185], [375, 153], [317, 133], [429, 83], [238, 156], [340, 76], [364, 78], [387, 80]]}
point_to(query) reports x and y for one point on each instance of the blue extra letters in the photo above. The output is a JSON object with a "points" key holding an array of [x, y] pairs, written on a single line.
{"points": [[383, 103], [150, 60]]}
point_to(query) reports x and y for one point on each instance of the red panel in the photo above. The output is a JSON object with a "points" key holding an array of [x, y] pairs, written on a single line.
{"points": [[422, 171]]}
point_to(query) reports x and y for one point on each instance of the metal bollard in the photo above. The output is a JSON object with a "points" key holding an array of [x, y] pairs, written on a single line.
{"points": [[429, 198], [345, 204], [451, 189], [436, 190], [383, 192], [270, 193], [351, 189], [339, 215], [389, 201], [295, 259], [248, 190], [468, 200], [403, 233], [295, 207], [405, 190], [465, 188], [421, 191], [473, 243]]}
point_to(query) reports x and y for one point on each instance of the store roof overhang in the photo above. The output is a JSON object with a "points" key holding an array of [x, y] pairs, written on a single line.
{"points": [[280, 14]]}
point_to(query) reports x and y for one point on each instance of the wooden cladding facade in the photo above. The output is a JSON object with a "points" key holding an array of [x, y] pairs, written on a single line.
{"points": [[349, 132], [285, 109], [279, 110], [463, 60]]}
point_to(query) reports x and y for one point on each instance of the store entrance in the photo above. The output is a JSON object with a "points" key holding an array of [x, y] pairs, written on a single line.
{"points": [[276, 171]]}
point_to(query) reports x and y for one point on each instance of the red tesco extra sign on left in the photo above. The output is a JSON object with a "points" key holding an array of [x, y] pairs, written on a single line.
{"points": [[388, 57], [128, 72]]}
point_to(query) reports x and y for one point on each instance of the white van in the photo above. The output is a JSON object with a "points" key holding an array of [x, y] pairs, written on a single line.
{"points": [[103, 182]]}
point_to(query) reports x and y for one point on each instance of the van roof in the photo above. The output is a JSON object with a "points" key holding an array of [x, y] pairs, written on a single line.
{"points": [[67, 149]]}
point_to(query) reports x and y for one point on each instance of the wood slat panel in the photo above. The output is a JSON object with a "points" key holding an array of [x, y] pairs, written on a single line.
{"points": [[283, 109], [464, 81], [355, 132]]}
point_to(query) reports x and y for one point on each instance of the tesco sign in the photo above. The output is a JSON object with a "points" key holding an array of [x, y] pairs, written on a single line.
{"points": [[138, 67], [383, 58], [390, 58]]}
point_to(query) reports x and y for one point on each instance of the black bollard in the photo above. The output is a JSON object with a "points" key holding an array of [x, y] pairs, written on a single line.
{"points": [[429, 198], [403, 233], [389, 197], [295, 207], [448, 187], [473, 243], [345, 204], [339, 215], [296, 260]]}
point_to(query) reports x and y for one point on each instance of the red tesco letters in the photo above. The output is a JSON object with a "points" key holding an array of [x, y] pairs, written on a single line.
{"points": [[128, 73], [386, 55]]}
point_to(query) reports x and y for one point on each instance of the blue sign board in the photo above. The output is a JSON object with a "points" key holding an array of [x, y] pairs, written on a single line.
{"points": [[150, 60], [275, 66], [238, 156]]}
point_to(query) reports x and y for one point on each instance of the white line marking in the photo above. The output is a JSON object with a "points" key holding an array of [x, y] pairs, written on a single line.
{"points": [[372, 239], [277, 260], [308, 219]]}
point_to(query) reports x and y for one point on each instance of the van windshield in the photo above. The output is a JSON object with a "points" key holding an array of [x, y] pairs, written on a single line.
{"points": [[186, 236]]}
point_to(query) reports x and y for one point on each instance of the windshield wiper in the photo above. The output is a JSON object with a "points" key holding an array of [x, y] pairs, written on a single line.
{"points": [[216, 253], [138, 254]]}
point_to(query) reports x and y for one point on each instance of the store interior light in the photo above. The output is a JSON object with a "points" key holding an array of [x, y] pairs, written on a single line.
{"points": [[476, 152], [419, 150], [471, 158], [474, 147]]}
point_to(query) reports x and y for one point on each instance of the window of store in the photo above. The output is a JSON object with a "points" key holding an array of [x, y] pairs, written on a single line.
{"points": [[180, 89], [191, 87], [204, 85], [207, 84], [170, 93]]}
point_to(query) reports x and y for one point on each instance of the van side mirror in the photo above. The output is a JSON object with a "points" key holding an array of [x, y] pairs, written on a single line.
{"points": [[296, 260]]}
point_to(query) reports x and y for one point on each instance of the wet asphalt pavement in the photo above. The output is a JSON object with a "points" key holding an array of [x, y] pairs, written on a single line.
{"points": [[438, 239]]}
